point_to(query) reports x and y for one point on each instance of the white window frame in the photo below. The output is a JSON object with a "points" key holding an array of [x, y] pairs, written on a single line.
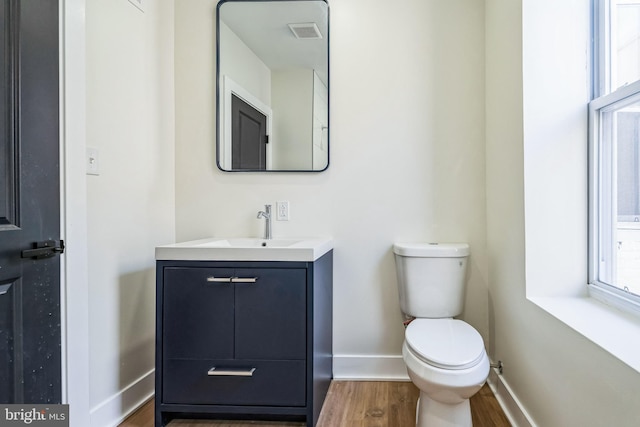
{"points": [[612, 100]]}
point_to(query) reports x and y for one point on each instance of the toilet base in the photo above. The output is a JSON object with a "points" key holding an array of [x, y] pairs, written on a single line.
{"points": [[430, 413]]}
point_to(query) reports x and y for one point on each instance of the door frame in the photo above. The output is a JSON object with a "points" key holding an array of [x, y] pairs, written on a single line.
{"points": [[230, 87], [73, 204]]}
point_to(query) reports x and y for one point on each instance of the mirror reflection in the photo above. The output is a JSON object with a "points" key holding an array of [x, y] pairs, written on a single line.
{"points": [[273, 85]]}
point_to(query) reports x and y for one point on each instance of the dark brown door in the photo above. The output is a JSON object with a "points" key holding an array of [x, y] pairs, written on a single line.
{"points": [[249, 136], [30, 360]]}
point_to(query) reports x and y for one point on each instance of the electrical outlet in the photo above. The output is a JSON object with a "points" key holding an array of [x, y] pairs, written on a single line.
{"points": [[282, 211]]}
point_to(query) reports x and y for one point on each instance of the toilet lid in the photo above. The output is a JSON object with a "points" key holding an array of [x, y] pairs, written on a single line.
{"points": [[445, 343]]}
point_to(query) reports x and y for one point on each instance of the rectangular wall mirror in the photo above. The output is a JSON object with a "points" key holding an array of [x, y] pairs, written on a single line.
{"points": [[273, 85]]}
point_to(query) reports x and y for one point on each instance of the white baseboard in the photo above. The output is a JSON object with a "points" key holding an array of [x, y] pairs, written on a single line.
{"points": [[509, 402], [369, 368], [115, 409]]}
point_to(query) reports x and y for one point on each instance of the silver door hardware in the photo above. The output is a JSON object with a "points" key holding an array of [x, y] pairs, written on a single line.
{"points": [[244, 279], [219, 279], [232, 279], [231, 372], [5, 288]]}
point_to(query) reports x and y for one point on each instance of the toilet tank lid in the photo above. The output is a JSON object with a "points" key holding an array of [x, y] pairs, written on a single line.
{"points": [[432, 250]]}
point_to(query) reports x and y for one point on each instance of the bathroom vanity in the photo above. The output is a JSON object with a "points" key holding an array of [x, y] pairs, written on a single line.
{"points": [[244, 329]]}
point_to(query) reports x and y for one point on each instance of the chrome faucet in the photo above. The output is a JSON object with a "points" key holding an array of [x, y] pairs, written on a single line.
{"points": [[266, 214]]}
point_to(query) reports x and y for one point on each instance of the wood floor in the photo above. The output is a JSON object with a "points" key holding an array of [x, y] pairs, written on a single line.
{"points": [[355, 404]]}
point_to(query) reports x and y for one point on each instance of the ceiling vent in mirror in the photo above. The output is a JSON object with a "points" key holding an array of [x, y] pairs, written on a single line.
{"points": [[307, 30]]}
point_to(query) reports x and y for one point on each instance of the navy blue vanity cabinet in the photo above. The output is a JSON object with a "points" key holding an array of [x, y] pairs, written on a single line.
{"points": [[243, 340]]}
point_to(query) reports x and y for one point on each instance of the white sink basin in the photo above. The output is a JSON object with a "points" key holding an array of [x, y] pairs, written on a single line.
{"points": [[246, 249], [249, 243]]}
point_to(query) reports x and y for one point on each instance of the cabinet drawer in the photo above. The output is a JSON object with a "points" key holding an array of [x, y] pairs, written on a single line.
{"points": [[273, 383]]}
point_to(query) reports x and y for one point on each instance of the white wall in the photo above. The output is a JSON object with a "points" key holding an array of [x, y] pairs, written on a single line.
{"points": [[130, 118], [407, 159], [244, 67], [560, 377], [292, 95], [556, 86]]}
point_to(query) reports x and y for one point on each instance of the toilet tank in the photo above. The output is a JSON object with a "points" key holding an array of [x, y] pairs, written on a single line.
{"points": [[431, 278]]}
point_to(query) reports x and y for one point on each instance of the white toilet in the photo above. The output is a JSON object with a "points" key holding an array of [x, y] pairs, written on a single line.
{"points": [[445, 357]]}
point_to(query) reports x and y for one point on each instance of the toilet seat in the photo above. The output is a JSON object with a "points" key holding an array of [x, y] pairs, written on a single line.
{"points": [[445, 343]]}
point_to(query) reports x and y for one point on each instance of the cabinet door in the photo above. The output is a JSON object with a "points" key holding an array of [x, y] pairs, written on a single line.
{"points": [[270, 314], [197, 313]]}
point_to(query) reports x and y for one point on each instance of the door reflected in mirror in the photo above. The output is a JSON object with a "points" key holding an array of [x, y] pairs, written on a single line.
{"points": [[273, 85]]}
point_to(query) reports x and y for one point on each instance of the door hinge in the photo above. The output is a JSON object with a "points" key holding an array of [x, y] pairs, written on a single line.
{"points": [[45, 249], [266, 139]]}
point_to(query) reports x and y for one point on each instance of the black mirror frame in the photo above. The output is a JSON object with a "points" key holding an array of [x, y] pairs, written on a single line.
{"points": [[218, 97]]}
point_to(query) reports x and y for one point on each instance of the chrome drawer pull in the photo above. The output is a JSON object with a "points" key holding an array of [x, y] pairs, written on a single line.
{"points": [[219, 279], [244, 279], [231, 372]]}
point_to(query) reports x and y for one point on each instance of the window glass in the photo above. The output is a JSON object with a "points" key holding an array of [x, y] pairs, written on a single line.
{"points": [[615, 149], [625, 25], [619, 195]]}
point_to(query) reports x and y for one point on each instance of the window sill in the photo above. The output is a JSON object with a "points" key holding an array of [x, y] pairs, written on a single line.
{"points": [[607, 327]]}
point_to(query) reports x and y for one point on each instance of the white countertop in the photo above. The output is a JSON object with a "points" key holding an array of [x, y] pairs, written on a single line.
{"points": [[246, 249]]}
